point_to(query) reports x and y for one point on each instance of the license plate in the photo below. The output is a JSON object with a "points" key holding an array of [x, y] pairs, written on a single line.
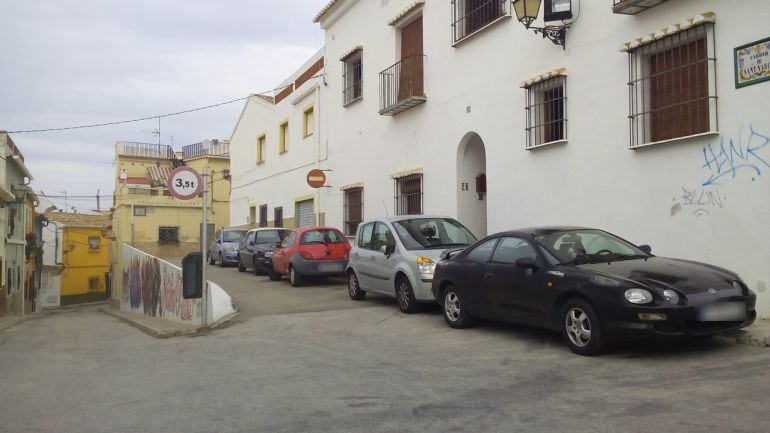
{"points": [[329, 267], [723, 312]]}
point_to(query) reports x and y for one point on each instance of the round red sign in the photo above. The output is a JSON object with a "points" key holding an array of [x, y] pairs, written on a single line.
{"points": [[316, 178], [184, 183]]}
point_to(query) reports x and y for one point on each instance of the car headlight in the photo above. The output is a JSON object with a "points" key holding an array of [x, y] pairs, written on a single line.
{"points": [[671, 296], [268, 254], [426, 265], [229, 249], [638, 296]]}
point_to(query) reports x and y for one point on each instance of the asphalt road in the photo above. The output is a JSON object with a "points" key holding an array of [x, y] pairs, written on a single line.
{"points": [[335, 365]]}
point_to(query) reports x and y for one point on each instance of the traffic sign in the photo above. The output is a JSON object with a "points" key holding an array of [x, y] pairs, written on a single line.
{"points": [[184, 183], [316, 178]]}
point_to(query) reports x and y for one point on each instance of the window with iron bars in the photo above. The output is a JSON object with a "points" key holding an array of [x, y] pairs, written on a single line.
{"points": [[408, 194], [353, 210], [168, 235], [352, 77], [263, 215], [468, 16], [672, 91], [546, 111]]}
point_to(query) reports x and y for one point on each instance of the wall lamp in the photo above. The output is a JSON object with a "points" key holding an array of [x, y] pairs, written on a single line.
{"points": [[528, 10], [19, 194]]}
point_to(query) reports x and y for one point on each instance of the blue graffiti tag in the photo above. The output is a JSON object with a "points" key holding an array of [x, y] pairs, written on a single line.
{"points": [[730, 157]]}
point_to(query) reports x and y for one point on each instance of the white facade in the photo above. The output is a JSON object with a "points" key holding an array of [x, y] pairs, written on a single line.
{"points": [[702, 197], [279, 181]]}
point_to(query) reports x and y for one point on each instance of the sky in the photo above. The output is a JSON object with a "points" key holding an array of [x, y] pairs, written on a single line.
{"points": [[68, 63]]}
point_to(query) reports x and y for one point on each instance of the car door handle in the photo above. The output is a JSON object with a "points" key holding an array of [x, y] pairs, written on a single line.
{"points": [[488, 275]]}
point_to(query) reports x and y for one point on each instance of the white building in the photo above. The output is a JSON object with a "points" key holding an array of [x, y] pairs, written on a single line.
{"points": [[653, 126]]}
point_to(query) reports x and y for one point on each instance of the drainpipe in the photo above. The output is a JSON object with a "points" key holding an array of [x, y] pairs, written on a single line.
{"points": [[132, 223]]}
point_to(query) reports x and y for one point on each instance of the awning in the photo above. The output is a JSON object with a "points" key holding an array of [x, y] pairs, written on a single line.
{"points": [[159, 174]]}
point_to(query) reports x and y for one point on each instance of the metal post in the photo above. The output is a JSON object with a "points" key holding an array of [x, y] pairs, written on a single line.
{"points": [[204, 246]]}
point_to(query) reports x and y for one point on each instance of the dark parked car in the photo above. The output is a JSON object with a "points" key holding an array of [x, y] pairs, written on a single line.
{"points": [[256, 249], [223, 247], [593, 287]]}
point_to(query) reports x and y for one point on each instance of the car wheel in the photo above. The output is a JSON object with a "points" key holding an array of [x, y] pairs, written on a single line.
{"points": [[294, 277], [221, 261], [256, 268], [211, 259], [405, 296], [354, 290], [272, 274], [454, 309], [581, 328], [241, 268]]}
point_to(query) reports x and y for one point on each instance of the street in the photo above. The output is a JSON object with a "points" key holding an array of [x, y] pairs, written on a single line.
{"points": [[334, 365]]}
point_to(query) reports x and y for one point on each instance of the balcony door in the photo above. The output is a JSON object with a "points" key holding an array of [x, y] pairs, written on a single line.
{"points": [[410, 82]]}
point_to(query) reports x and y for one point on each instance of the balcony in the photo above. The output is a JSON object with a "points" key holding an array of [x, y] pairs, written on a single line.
{"points": [[401, 86], [206, 148], [633, 7], [144, 150]]}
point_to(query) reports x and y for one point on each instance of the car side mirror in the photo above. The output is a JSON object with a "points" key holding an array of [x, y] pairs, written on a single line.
{"points": [[387, 249], [251, 242], [278, 245], [527, 263], [219, 241], [645, 249]]}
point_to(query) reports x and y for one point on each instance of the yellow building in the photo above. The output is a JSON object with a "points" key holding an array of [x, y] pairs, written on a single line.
{"points": [[146, 216], [83, 253]]}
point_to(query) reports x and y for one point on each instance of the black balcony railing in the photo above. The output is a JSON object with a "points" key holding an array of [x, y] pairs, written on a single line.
{"points": [[469, 16], [401, 85]]}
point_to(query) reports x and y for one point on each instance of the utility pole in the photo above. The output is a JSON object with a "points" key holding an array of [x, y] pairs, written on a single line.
{"points": [[98, 209]]}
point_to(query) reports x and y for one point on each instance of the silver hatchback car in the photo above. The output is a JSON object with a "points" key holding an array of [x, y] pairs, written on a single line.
{"points": [[395, 256]]}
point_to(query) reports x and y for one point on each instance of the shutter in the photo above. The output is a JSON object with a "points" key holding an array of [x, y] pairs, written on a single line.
{"points": [[305, 215]]}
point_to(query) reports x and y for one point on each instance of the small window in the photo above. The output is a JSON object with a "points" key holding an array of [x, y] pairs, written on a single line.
{"points": [[353, 209], [278, 217], [140, 211], [263, 215], [308, 122], [472, 15], [511, 249], [352, 77], [283, 137], [408, 194], [261, 143], [93, 243], [546, 111], [483, 252], [252, 214], [168, 235], [671, 91], [93, 284], [365, 236]]}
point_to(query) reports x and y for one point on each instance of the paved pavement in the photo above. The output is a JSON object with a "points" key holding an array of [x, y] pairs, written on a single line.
{"points": [[365, 369]]}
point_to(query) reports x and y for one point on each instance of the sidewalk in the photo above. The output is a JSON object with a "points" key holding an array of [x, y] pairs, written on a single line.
{"points": [[162, 328]]}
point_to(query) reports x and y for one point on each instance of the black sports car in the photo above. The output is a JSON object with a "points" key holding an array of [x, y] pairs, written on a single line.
{"points": [[593, 287]]}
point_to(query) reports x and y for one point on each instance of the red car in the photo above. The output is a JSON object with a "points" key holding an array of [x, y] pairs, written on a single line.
{"points": [[310, 251]]}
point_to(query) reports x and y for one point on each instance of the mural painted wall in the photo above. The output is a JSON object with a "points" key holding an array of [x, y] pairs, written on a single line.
{"points": [[154, 287]]}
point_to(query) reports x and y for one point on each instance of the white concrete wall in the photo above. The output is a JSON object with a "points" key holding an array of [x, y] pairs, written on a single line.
{"points": [[645, 195]]}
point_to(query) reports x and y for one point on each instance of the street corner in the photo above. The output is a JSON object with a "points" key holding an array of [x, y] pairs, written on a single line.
{"points": [[152, 326]]}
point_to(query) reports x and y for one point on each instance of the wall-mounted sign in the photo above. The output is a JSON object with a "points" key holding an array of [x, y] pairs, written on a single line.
{"points": [[316, 178], [184, 183], [752, 63]]}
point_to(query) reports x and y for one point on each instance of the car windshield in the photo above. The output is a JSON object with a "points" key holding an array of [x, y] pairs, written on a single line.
{"points": [[432, 233], [270, 236], [587, 246], [233, 235], [326, 236]]}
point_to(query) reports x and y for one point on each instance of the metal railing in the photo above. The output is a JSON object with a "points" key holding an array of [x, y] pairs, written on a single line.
{"points": [[145, 150], [469, 16], [206, 147], [401, 85]]}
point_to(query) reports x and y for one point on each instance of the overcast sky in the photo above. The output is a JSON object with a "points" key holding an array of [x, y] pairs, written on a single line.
{"points": [[79, 62]]}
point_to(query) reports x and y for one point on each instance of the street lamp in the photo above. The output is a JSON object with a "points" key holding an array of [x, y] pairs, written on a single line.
{"points": [[528, 10], [18, 195]]}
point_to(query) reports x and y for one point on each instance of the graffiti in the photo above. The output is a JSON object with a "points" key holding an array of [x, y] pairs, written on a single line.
{"points": [[151, 286], [173, 302], [732, 156], [125, 287], [700, 200], [135, 283]]}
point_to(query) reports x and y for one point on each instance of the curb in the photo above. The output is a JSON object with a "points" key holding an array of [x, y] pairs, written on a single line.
{"points": [[170, 332], [747, 338]]}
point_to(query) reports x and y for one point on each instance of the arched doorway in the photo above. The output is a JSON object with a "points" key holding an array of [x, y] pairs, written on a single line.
{"points": [[471, 189]]}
